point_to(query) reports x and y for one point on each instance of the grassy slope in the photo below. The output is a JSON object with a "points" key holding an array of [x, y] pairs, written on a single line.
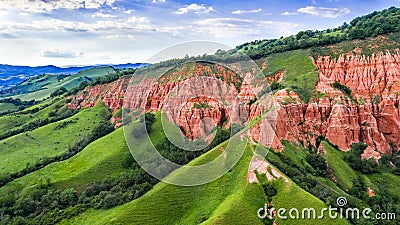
{"points": [[292, 196], [17, 120], [97, 161], [227, 200], [41, 87], [386, 180], [215, 202], [47, 141], [100, 159], [345, 175], [301, 75], [7, 107]]}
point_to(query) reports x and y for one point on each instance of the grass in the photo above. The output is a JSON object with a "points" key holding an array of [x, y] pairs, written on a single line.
{"points": [[368, 46], [228, 198], [388, 181], [344, 174], [47, 141], [295, 153], [292, 196], [41, 87], [300, 73], [100, 159], [17, 120], [7, 107]]}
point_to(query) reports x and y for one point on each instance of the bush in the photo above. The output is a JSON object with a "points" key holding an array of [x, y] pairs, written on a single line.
{"points": [[276, 86], [343, 88], [111, 200], [318, 162], [356, 162], [58, 92], [269, 189], [102, 129]]}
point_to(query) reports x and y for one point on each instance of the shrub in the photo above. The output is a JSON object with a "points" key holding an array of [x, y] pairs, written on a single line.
{"points": [[343, 88], [58, 92], [269, 189], [318, 162], [276, 86], [356, 162]]}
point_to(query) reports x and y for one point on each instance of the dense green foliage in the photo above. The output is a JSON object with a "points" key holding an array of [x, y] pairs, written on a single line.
{"points": [[371, 25], [112, 76], [318, 162], [356, 162], [343, 88], [59, 91]]}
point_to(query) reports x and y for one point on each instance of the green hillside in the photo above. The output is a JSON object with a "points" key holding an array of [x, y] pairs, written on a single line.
{"points": [[227, 200], [25, 118], [4, 107], [42, 86], [300, 73], [26, 149]]}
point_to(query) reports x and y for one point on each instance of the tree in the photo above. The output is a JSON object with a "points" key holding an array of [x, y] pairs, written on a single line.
{"points": [[102, 129], [318, 162]]}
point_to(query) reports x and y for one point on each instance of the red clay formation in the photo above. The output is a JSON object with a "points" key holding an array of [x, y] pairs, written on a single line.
{"points": [[370, 115]]}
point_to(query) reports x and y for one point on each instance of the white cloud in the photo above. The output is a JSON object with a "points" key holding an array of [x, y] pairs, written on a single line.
{"points": [[103, 15], [56, 53], [324, 12], [289, 13], [130, 24], [246, 11], [198, 9], [158, 1], [48, 6], [235, 27]]}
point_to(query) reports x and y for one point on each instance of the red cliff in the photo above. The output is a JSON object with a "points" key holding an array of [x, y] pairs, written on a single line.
{"points": [[198, 98]]}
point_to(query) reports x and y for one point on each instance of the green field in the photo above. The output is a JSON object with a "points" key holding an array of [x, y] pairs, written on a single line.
{"points": [[7, 107], [300, 73], [47, 141], [227, 200], [100, 159], [17, 120]]}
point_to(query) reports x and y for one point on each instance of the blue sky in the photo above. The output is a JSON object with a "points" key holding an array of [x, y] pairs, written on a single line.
{"points": [[81, 32]]}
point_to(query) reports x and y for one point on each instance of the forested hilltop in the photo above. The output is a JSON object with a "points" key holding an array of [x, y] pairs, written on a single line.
{"points": [[377, 23]]}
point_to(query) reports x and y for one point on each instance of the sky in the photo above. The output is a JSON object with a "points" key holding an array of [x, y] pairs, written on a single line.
{"points": [[88, 32]]}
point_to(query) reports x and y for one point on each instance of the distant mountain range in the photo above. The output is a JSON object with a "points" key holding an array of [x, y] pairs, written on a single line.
{"points": [[11, 76]]}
